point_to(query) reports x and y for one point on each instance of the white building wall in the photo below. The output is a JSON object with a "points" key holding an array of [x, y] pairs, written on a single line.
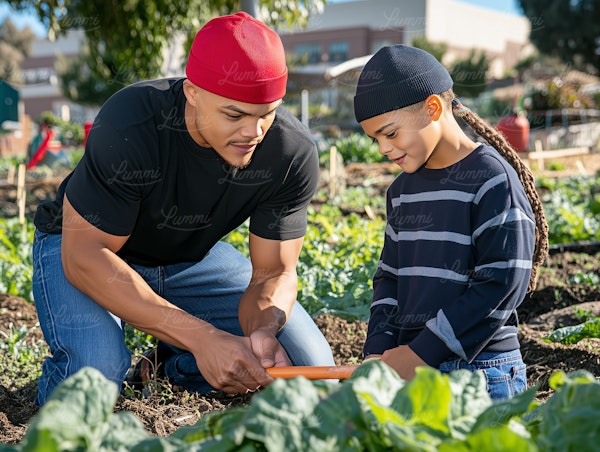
{"points": [[66, 45], [408, 15], [459, 25]]}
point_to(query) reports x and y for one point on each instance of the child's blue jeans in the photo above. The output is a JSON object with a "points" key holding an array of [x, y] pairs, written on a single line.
{"points": [[81, 333], [505, 372]]}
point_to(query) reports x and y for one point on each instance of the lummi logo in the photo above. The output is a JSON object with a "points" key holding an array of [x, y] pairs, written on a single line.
{"points": [[183, 222], [248, 176], [234, 76], [137, 177]]}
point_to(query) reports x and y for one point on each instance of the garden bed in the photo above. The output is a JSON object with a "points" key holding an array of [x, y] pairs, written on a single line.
{"points": [[566, 281], [164, 411]]}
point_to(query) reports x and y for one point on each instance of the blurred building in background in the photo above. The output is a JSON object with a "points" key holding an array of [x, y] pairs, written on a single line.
{"points": [[39, 89], [343, 31], [352, 29], [329, 53]]}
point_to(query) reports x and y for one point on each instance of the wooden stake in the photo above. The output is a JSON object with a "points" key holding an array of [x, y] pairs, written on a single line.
{"points": [[332, 171], [538, 149], [10, 178], [21, 193]]}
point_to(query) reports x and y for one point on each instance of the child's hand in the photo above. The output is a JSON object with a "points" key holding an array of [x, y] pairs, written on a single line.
{"points": [[403, 360]]}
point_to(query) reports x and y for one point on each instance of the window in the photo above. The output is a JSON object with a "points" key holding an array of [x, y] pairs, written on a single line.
{"points": [[312, 52], [338, 52]]}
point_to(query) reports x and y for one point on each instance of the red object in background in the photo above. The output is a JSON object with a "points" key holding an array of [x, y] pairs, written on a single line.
{"points": [[515, 127], [41, 150], [87, 126]]}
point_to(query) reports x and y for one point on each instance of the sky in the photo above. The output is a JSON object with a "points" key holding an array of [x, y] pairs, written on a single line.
{"points": [[506, 6], [23, 19]]}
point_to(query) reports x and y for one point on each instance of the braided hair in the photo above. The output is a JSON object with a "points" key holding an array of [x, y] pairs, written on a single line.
{"points": [[497, 140]]}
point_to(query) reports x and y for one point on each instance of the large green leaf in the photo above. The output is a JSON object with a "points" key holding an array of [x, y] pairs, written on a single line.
{"points": [[573, 334], [77, 417]]}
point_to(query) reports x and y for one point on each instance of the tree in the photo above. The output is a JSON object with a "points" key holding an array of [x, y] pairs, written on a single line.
{"points": [[470, 74], [15, 45], [125, 40], [438, 50], [569, 30]]}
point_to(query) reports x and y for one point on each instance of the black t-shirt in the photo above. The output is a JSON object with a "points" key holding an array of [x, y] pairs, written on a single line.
{"points": [[143, 175]]}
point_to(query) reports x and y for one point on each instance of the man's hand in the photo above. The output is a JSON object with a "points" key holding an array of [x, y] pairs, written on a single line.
{"points": [[403, 360], [268, 350], [229, 364]]}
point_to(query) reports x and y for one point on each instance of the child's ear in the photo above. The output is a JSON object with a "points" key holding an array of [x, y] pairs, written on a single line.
{"points": [[434, 107]]}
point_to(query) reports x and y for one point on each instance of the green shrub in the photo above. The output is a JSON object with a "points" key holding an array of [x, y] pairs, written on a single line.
{"points": [[355, 148]]}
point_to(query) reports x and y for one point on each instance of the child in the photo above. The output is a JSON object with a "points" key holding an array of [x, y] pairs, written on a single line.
{"points": [[465, 229]]}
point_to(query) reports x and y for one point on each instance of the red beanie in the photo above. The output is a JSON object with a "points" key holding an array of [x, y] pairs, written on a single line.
{"points": [[240, 58]]}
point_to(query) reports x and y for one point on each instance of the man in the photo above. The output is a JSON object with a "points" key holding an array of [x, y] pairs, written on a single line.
{"points": [[171, 166]]}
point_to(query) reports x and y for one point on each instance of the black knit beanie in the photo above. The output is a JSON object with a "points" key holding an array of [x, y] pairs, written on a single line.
{"points": [[395, 77]]}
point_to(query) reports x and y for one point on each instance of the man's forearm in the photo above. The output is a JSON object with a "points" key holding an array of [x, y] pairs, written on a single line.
{"points": [[115, 286], [267, 302]]}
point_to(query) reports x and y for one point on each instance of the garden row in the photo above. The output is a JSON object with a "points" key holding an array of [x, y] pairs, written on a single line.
{"points": [[373, 410]]}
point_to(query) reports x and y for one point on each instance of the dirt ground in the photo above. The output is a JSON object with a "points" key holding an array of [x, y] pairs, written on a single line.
{"points": [[163, 411]]}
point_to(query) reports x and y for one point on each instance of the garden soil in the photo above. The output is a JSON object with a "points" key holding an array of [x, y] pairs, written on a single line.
{"points": [[163, 410]]}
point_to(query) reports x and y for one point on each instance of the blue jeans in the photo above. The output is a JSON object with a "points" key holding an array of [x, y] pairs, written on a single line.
{"points": [[505, 372], [81, 333]]}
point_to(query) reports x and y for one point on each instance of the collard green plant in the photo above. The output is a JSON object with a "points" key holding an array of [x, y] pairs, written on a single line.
{"points": [[572, 334], [570, 419], [373, 410], [79, 416]]}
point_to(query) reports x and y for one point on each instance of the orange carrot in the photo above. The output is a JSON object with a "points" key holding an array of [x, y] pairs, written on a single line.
{"points": [[312, 372]]}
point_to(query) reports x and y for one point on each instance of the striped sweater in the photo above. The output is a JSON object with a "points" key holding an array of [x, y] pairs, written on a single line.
{"points": [[456, 261]]}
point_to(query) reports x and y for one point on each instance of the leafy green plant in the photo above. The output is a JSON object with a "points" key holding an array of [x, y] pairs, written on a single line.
{"points": [[16, 264], [21, 355], [13, 340], [9, 162], [573, 334], [355, 199], [338, 261], [589, 278], [572, 208], [67, 132], [569, 419], [556, 166], [356, 147], [373, 410], [137, 341], [79, 416], [582, 314]]}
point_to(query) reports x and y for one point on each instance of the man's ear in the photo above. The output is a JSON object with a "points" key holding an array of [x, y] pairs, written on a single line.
{"points": [[190, 91], [435, 106]]}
